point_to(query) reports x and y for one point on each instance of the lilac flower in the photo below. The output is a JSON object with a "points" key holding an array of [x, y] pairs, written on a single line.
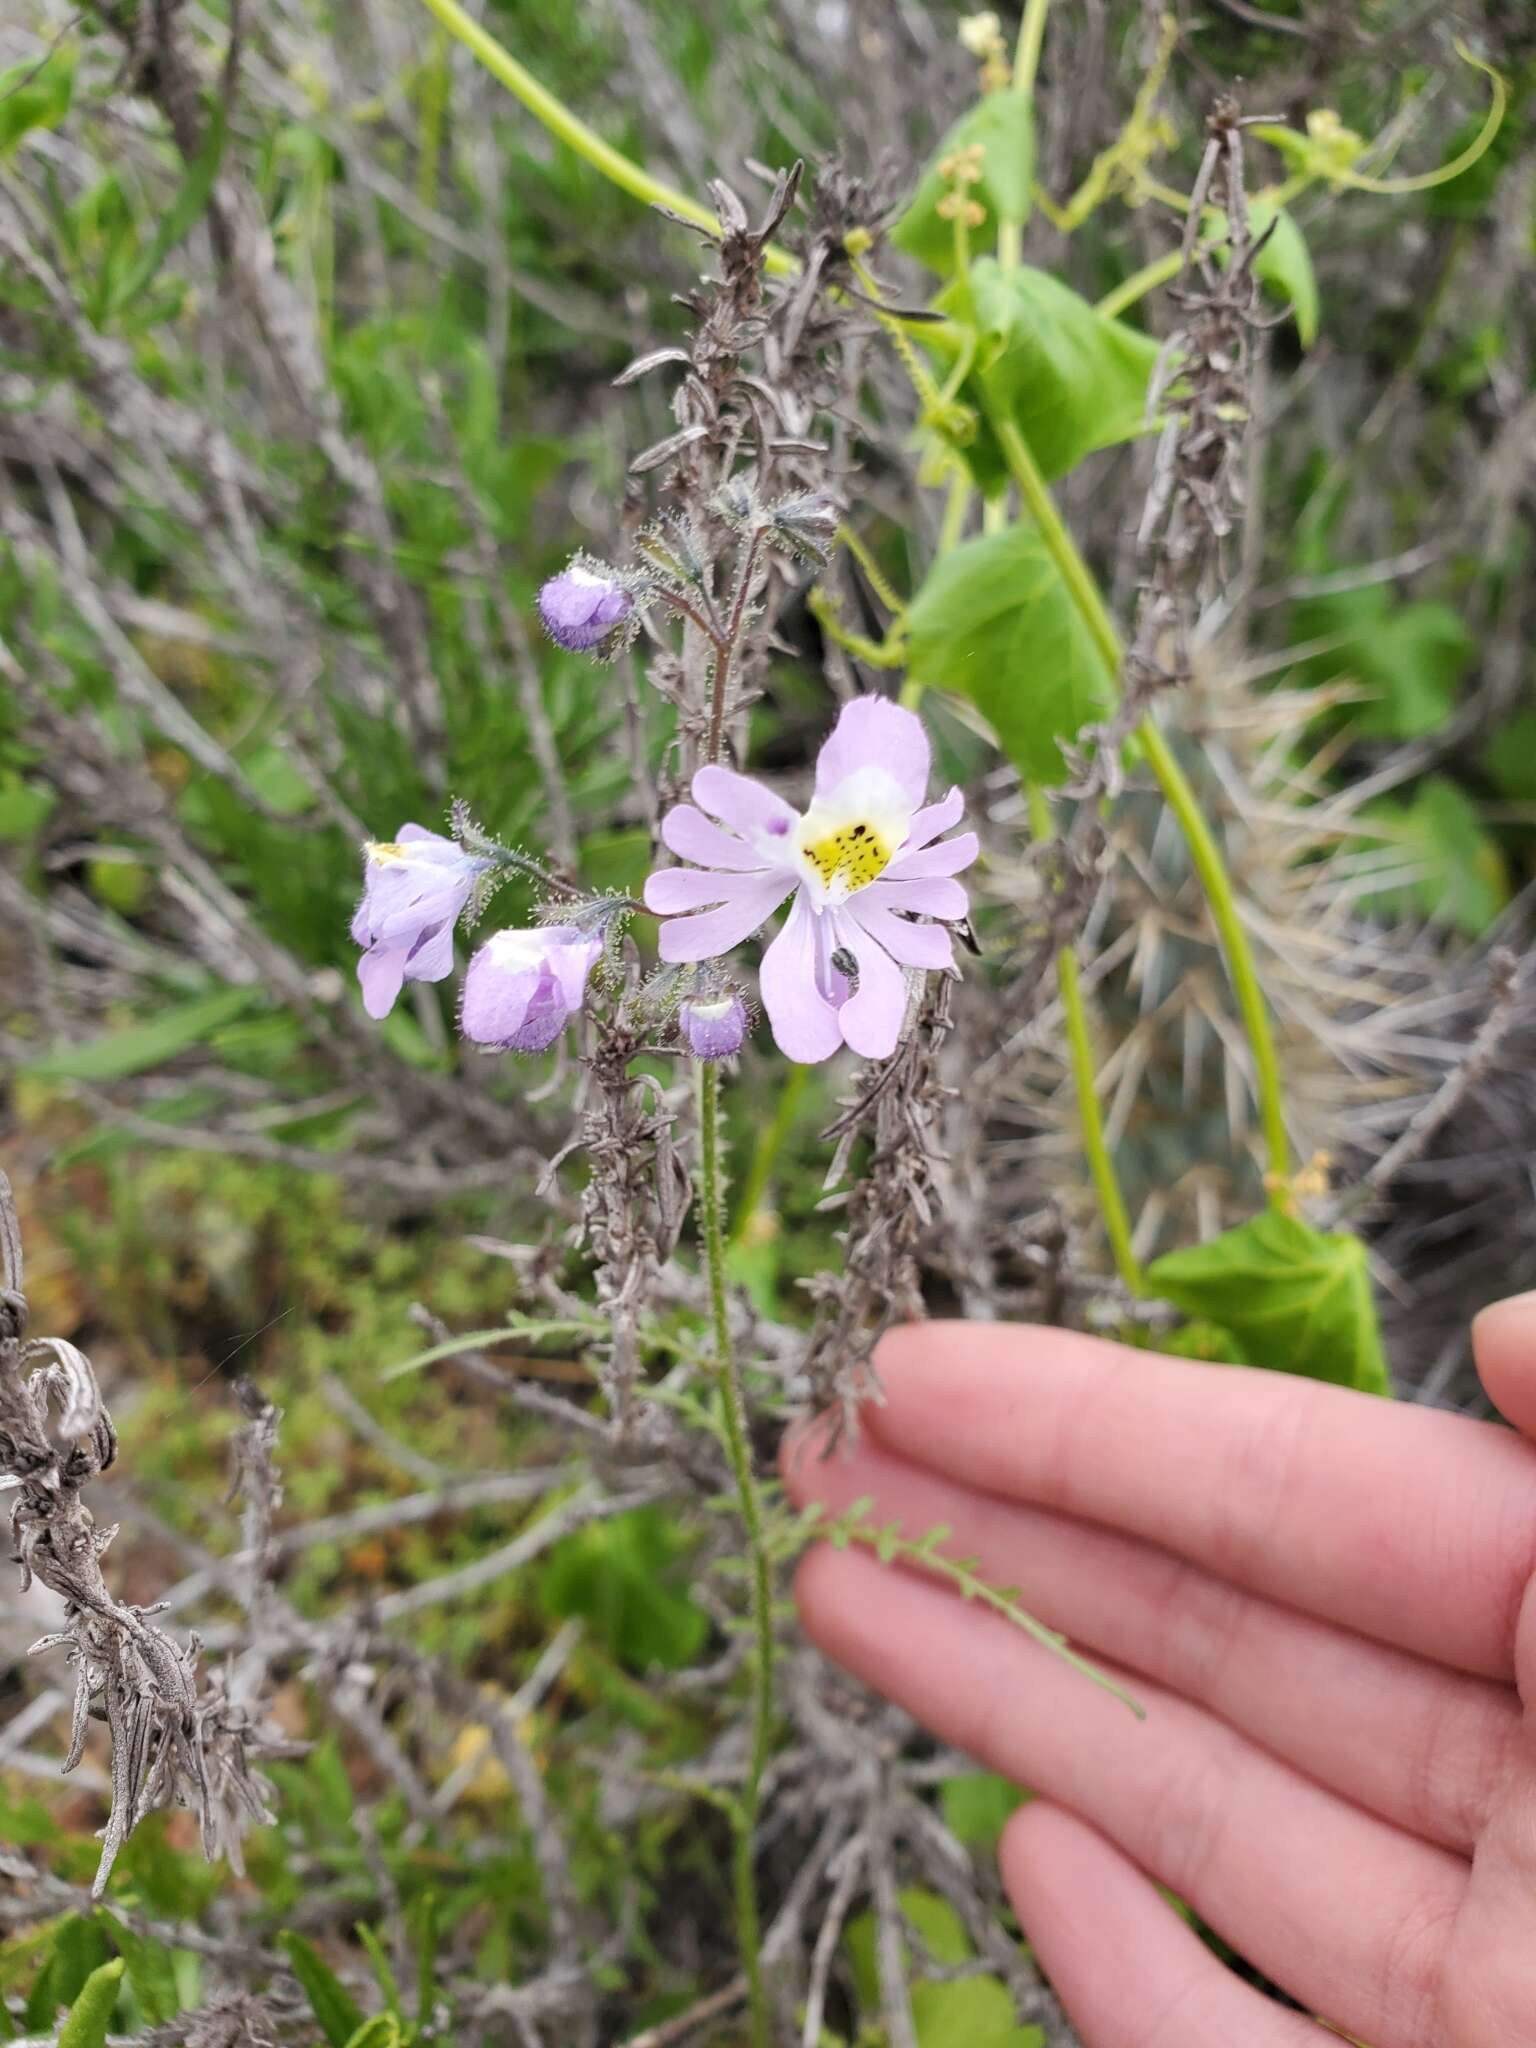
{"points": [[862, 861], [713, 1025], [584, 610], [414, 888], [523, 987]]}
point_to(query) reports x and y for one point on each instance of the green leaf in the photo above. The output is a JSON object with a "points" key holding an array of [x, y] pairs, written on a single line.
{"points": [[620, 1577], [1003, 126], [383, 2031], [978, 1805], [976, 2012], [24, 807], [333, 2006], [1410, 657], [1460, 878], [994, 623], [1071, 379], [1285, 265], [151, 1971], [383, 1969], [34, 95], [1509, 759], [1297, 1299], [184, 210], [119, 1053], [91, 2013]]}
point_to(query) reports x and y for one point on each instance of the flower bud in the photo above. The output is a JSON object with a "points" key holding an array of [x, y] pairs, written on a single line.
{"points": [[523, 987], [584, 610], [713, 1026], [806, 524]]}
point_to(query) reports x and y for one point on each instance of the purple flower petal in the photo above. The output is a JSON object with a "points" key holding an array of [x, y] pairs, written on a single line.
{"points": [[947, 857], [931, 896], [872, 732], [913, 945], [673, 889], [431, 958], [803, 1020], [523, 987], [692, 836], [756, 897], [747, 805], [382, 976], [933, 819], [873, 1015]]}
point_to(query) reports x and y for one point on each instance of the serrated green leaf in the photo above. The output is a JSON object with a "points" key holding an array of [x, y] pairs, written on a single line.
{"points": [[336, 2011], [993, 622], [1003, 127], [1298, 1299], [1071, 379], [91, 2013], [117, 1054]]}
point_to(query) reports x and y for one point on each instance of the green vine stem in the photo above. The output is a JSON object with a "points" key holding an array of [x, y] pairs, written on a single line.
{"points": [[1182, 801], [1101, 1165], [570, 129], [738, 1449]]}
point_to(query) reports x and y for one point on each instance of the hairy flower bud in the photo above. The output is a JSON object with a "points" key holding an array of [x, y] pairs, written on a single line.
{"points": [[415, 887], [523, 987], [713, 1026], [806, 524], [585, 610]]}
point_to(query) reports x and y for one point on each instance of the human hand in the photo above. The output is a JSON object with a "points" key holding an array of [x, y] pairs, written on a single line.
{"points": [[1324, 1602]]}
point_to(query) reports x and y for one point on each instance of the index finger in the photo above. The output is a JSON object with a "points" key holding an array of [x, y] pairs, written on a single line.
{"points": [[1409, 1525]]}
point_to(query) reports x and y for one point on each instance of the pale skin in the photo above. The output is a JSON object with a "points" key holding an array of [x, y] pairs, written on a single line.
{"points": [[1325, 1604]]}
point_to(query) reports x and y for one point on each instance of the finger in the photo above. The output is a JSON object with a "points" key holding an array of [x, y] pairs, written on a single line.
{"points": [[1419, 1744], [1491, 1969], [1415, 1527], [1350, 1915], [1079, 1900]]}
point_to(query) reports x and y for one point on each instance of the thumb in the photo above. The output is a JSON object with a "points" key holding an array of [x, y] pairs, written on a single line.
{"points": [[1504, 1345]]}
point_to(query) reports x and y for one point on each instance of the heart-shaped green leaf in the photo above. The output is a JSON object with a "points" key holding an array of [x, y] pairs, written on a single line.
{"points": [[1298, 1299], [993, 622]]}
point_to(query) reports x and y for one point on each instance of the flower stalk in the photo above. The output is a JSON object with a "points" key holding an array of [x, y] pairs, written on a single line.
{"points": [[739, 1450]]}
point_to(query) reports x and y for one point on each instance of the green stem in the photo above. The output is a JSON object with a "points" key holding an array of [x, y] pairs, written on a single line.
{"points": [[1026, 57], [1139, 283], [738, 1449], [1219, 894], [1203, 849], [570, 129], [1101, 1165]]}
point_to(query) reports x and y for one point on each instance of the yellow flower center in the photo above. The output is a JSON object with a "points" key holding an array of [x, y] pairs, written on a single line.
{"points": [[382, 851], [853, 855]]}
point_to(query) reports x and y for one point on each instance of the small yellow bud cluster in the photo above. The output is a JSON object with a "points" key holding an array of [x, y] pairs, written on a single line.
{"points": [[1335, 147], [982, 35], [963, 168], [1308, 1183]]}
